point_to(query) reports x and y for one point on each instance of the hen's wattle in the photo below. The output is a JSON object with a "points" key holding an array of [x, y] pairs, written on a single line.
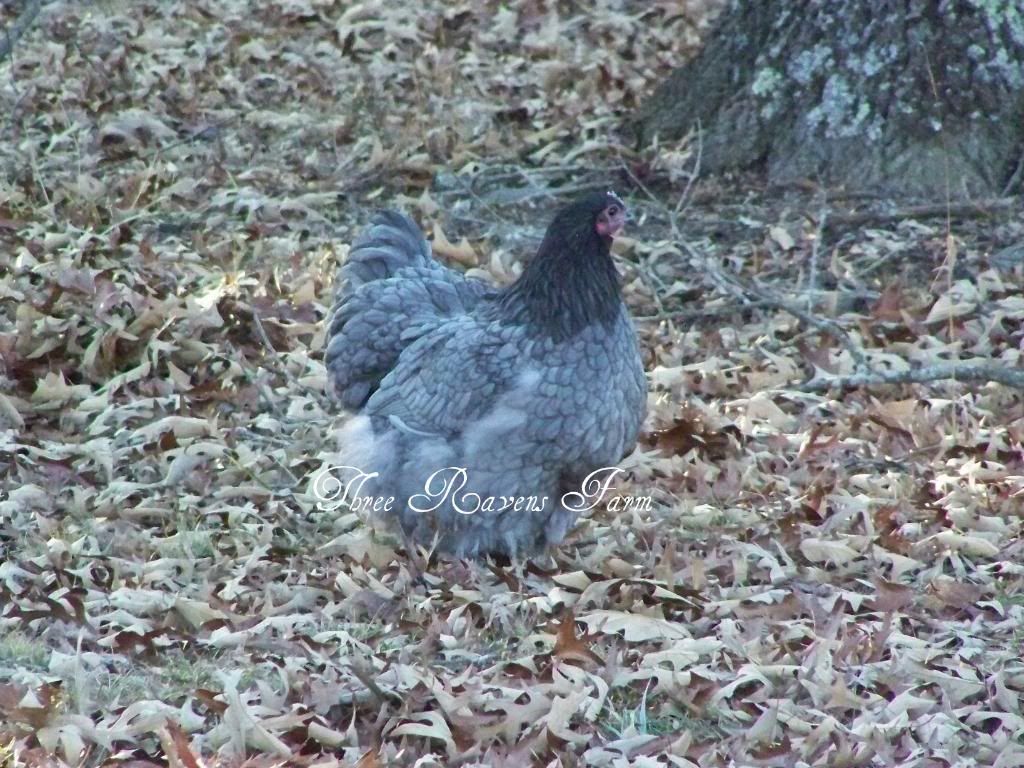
{"points": [[503, 394]]}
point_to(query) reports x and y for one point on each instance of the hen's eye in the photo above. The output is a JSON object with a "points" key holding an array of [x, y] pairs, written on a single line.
{"points": [[612, 210]]}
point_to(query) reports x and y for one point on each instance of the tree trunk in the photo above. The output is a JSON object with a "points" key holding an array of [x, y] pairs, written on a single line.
{"points": [[919, 97]]}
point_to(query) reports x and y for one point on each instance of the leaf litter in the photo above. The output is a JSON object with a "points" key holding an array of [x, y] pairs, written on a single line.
{"points": [[822, 578]]}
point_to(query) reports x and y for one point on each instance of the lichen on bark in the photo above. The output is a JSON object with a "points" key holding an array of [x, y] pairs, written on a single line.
{"points": [[902, 96]]}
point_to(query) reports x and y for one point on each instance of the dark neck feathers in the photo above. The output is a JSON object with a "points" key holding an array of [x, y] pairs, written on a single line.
{"points": [[570, 284]]}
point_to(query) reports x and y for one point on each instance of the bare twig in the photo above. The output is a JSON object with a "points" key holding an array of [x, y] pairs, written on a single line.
{"points": [[760, 296], [248, 472], [968, 210], [831, 327], [704, 313], [980, 372], [275, 357], [467, 187], [812, 271], [672, 220], [492, 174], [211, 130], [262, 332], [684, 198], [19, 27], [523, 195], [727, 283], [748, 296], [1015, 177], [363, 676]]}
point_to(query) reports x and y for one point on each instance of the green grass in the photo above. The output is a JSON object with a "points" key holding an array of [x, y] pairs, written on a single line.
{"points": [[631, 712], [19, 651]]}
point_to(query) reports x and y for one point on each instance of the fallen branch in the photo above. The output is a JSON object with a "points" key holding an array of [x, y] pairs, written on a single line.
{"points": [[705, 313], [755, 295], [748, 295], [865, 376], [981, 372], [968, 210], [823, 324]]}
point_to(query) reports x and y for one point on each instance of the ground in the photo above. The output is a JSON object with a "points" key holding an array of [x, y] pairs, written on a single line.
{"points": [[829, 573]]}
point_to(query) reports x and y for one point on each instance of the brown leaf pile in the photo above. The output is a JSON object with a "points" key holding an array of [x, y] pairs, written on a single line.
{"points": [[821, 579]]}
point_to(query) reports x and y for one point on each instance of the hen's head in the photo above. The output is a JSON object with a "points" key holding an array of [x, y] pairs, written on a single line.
{"points": [[572, 282], [597, 213]]}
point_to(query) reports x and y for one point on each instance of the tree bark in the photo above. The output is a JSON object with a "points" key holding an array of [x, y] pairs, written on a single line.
{"points": [[919, 97]]}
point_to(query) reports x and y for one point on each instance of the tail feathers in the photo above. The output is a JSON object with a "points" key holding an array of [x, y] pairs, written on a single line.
{"points": [[371, 326], [391, 291], [391, 242]]}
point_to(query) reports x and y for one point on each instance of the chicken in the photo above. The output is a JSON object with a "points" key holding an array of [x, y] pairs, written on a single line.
{"points": [[479, 408]]}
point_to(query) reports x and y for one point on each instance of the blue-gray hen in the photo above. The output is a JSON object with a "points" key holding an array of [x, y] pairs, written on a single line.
{"points": [[479, 407]]}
